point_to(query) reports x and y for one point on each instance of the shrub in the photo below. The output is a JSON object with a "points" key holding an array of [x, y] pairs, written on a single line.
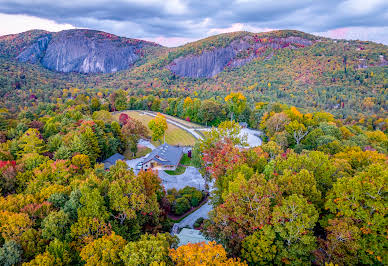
{"points": [[181, 206]]}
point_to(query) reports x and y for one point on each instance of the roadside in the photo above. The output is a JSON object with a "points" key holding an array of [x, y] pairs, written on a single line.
{"points": [[180, 125]]}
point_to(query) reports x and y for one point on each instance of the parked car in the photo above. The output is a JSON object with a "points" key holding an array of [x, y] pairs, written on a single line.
{"points": [[139, 166]]}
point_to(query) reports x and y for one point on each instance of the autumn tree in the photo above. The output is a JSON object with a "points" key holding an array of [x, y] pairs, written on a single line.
{"points": [[360, 201], [132, 131], [247, 208], [297, 130], [236, 102], [104, 250], [158, 126], [202, 254], [32, 142], [149, 249], [294, 221]]}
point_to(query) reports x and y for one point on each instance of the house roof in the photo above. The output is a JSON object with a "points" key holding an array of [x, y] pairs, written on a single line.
{"points": [[165, 154], [112, 160], [190, 236]]}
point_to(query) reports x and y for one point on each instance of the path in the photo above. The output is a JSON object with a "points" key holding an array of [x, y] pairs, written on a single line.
{"points": [[175, 123], [203, 212]]}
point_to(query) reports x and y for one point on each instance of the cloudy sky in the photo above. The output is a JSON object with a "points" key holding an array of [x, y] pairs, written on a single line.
{"points": [[175, 22]]}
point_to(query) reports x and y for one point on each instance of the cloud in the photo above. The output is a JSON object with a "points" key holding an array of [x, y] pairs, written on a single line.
{"points": [[175, 22], [20, 23]]}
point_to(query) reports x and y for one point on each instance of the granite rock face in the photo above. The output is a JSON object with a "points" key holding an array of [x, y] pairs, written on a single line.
{"points": [[84, 51], [36, 51], [236, 54]]}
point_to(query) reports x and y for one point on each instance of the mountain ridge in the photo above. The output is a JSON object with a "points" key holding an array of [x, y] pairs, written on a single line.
{"points": [[287, 66]]}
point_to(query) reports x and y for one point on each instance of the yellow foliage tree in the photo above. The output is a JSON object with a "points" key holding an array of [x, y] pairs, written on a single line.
{"points": [[202, 254]]}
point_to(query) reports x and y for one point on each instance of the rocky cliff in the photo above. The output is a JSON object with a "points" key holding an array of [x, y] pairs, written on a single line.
{"points": [[84, 51], [236, 54]]}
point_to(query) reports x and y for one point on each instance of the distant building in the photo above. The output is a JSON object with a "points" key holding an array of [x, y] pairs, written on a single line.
{"points": [[190, 236], [164, 157], [112, 160]]}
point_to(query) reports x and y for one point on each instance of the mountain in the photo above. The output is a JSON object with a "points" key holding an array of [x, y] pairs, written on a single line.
{"points": [[82, 51], [234, 54], [292, 67]]}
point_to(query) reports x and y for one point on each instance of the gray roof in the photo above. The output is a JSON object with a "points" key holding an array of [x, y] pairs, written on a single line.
{"points": [[190, 236], [112, 160], [165, 154]]}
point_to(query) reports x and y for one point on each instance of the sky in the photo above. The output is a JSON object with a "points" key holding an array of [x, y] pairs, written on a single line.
{"points": [[176, 22]]}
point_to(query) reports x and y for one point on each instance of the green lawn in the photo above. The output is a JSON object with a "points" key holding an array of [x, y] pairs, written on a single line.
{"points": [[183, 122], [174, 134], [179, 170], [140, 153], [185, 161]]}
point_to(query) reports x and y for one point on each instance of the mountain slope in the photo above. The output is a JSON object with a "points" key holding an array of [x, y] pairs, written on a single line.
{"points": [[82, 51], [292, 67]]}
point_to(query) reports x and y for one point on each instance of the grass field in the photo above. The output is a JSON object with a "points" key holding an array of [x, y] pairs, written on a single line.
{"points": [[183, 122], [174, 134], [140, 153]]}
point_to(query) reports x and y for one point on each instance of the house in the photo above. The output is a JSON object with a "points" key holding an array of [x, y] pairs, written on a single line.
{"points": [[187, 235], [164, 157], [112, 160]]}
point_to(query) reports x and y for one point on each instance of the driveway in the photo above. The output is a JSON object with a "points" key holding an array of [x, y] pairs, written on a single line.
{"points": [[201, 212], [190, 130], [132, 163], [191, 177], [252, 136], [146, 143]]}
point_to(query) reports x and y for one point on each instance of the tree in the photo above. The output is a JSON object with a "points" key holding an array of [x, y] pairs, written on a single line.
{"points": [[81, 161], [341, 244], [150, 249], [276, 123], [132, 131], [202, 254], [87, 229], [211, 112], [93, 204], [123, 118], [302, 183], [236, 102], [362, 199], [102, 115], [297, 130], [10, 253], [130, 195], [227, 131], [61, 252], [12, 225], [260, 248], [222, 157], [247, 208], [103, 251], [42, 259], [32, 142], [158, 126], [55, 225], [294, 221], [86, 143]]}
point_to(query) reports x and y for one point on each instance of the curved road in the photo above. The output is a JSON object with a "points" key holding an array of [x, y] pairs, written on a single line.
{"points": [[190, 130]]}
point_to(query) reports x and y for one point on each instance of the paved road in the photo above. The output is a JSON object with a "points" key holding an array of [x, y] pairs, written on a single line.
{"points": [[201, 212], [190, 130]]}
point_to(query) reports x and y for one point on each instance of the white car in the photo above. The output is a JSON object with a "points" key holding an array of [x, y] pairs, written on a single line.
{"points": [[139, 166]]}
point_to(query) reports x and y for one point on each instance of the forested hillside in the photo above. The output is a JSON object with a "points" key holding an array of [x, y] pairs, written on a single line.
{"points": [[314, 193], [345, 77]]}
